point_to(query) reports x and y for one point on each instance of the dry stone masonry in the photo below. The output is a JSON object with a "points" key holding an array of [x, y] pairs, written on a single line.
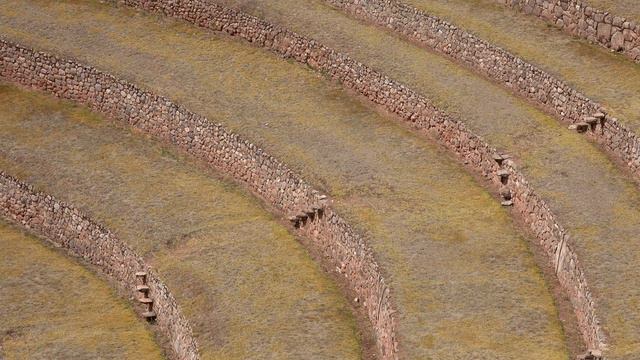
{"points": [[423, 116], [66, 227], [551, 94], [330, 236], [579, 19]]}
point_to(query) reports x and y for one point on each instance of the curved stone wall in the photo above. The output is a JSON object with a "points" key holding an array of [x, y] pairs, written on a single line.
{"points": [[580, 19], [66, 227], [420, 114], [331, 237], [551, 94]]}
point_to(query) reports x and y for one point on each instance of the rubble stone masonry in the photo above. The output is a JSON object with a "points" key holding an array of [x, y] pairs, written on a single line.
{"points": [[66, 227], [580, 19], [274, 182], [329, 234], [420, 114], [541, 88]]}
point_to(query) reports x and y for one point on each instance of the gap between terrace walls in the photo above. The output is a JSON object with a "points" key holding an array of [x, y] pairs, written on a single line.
{"points": [[420, 114]]}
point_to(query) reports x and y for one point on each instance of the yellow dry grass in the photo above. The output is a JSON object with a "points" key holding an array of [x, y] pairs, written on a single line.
{"points": [[54, 308], [246, 285], [611, 79], [597, 202], [464, 279]]}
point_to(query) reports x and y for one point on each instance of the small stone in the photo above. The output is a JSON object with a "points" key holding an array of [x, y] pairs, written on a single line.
{"points": [[617, 41], [498, 158], [149, 314], [604, 32], [503, 173], [591, 120], [505, 193]]}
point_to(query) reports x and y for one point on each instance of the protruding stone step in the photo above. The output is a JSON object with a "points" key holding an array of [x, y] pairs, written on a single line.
{"points": [[505, 193], [142, 288], [149, 315], [582, 127], [591, 120], [141, 274], [507, 203], [145, 300], [591, 355], [503, 173], [599, 115], [498, 158]]}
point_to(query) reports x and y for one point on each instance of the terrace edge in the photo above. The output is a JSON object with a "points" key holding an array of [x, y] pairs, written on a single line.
{"points": [[417, 112], [67, 227], [308, 210], [549, 93]]}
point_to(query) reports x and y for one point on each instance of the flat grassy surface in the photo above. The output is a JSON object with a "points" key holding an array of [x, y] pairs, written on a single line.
{"points": [[464, 279], [246, 285], [599, 205], [54, 308], [611, 79]]}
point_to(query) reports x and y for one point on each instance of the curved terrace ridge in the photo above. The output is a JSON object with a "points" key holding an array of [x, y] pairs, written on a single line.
{"points": [[551, 94], [67, 227], [579, 18], [420, 114], [307, 209]]}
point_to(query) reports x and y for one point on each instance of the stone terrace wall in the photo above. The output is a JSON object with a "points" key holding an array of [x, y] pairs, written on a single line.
{"points": [[551, 94], [579, 19], [420, 114], [66, 227], [331, 237]]}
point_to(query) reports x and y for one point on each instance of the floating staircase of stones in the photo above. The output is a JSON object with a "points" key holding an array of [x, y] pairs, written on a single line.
{"points": [[300, 218], [590, 123], [143, 289], [503, 174]]}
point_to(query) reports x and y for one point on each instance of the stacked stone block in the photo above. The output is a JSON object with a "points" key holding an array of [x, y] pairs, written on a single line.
{"points": [[578, 18], [421, 114], [68, 228], [330, 235], [538, 86]]}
